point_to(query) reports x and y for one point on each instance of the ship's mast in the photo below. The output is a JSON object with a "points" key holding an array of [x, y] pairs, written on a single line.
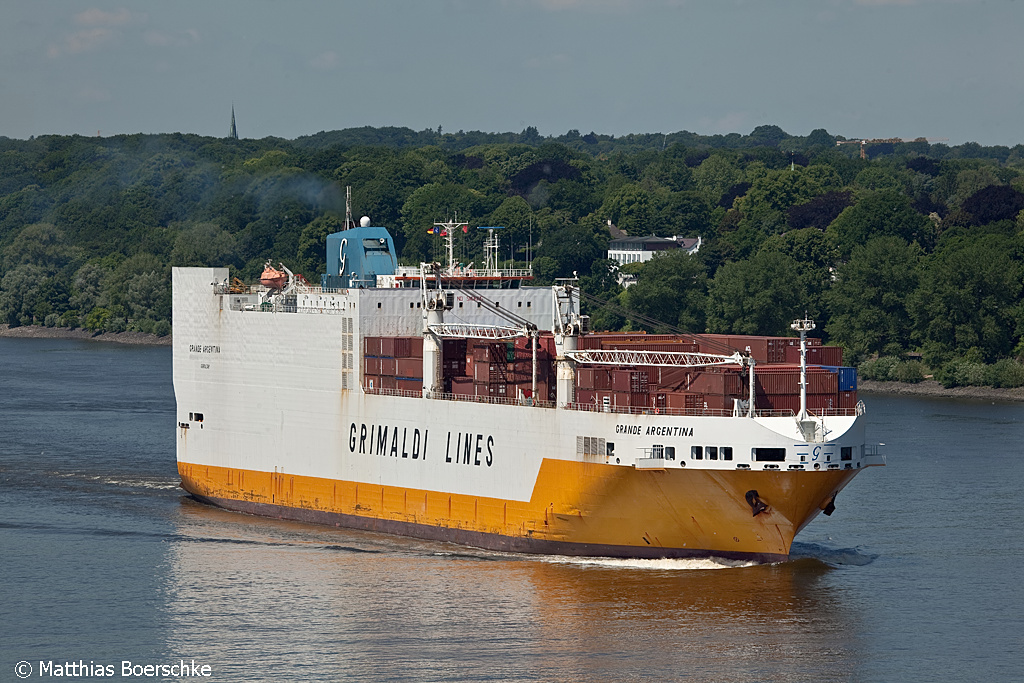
{"points": [[568, 325], [448, 233], [803, 327]]}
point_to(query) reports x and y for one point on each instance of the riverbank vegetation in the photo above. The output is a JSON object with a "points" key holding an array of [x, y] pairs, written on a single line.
{"points": [[915, 249]]}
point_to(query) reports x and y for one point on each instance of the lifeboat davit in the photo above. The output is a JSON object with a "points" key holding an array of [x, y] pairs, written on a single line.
{"points": [[273, 278]]}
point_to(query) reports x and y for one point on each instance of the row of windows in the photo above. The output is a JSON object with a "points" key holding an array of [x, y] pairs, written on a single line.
{"points": [[711, 452]]}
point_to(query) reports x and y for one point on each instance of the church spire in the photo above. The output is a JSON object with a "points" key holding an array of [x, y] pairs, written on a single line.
{"points": [[234, 131]]}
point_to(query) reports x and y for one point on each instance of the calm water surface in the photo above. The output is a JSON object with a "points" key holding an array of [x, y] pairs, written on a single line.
{"points": [[917, 576]]}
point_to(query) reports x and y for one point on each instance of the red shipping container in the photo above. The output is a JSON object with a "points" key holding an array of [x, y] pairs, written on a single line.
{"points": [[371, 366], [409, 384], [681, 400], [402, 347], [451, 349], [371, 346], [481, 372], [409, 367], [371, 381], [816, 355], [387, 347], [847, 399], [388, 367], [462, 386], [640, 400], [584, 396], [388, 382], [621, 380]]}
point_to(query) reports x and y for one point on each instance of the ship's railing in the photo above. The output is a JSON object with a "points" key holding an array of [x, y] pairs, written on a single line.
{"points": [[837, 412], [441, 396], [684, 412], [594, 408]]}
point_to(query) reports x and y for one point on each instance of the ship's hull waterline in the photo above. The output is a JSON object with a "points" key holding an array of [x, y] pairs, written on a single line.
{"points": [[579, 509]]}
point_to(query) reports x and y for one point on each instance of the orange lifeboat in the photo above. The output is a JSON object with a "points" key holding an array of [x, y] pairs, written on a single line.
{"points": [[273, 278]]}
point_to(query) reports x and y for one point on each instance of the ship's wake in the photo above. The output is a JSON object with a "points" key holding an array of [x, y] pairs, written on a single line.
{"points": [[667, 564]]}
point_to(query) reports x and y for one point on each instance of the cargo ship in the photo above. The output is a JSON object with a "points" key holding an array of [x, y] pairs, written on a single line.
{"points": [[462, 404]]}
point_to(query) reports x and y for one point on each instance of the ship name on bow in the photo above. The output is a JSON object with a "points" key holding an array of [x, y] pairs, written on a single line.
{"points": [[654, 430]]}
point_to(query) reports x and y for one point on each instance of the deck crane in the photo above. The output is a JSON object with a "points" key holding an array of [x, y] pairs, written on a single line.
{"points": [[569, 325], [880, 141]]}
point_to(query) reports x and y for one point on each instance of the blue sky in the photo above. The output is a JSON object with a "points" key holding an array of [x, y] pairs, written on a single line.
{"points": [[860, 68]]}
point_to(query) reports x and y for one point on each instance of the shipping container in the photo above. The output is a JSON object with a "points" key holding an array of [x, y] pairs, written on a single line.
{"points": [[409, 384], [452, 349], [371, 346], [816, 355], [462, 386], [388, 366], [585, 396], [786, 380], [848, 399], [387, 347], [371, 366], [403, 348], [409, 367]]}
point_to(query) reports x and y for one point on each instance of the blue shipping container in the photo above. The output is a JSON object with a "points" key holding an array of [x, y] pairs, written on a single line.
{"points": [[847, 377]]}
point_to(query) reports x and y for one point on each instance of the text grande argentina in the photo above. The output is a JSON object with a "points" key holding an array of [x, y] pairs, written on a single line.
{"points": [[659, 430], [468, 449]]}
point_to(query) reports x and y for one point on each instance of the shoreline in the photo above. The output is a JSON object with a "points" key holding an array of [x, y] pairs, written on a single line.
{"points": [[929, 388], [40, 332], [933, 389]]}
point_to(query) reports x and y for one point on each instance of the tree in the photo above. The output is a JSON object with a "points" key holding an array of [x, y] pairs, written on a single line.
{"points": [[815, 255], [203, 244], [572, 249], [818, 212], [868, 301], [311, 258], [714, 176], [630, 208], [41, 244], [683, 213], [993, 203], [516, 216], [970, 298], [880, 213], [672, 288], [761, 295], [427, 205]]}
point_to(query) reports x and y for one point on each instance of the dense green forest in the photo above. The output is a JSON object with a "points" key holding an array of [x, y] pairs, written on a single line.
{"points": [[914, 254]]}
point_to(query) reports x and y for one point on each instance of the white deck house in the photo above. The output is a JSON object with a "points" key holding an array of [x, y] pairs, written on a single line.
{"points": [[639, 249]]}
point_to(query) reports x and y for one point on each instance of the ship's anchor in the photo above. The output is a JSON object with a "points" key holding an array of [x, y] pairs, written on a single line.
{"points": [[756, 504], [830, 507]]}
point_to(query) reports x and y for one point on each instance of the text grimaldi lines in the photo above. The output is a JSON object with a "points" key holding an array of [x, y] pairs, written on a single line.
{"points": [[125, 669], [463, 448]]}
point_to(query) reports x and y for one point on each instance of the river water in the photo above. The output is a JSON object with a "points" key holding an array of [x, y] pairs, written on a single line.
{"points": [[917, 576]]}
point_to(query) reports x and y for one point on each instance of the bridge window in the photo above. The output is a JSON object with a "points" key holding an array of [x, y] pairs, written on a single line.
{"points": [[670, 452], [726, 452], [697, 452], [846, 453], [712, 452]]}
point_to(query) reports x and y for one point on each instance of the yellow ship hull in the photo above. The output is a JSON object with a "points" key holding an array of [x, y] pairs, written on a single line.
{"points": [[577, 508]]}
